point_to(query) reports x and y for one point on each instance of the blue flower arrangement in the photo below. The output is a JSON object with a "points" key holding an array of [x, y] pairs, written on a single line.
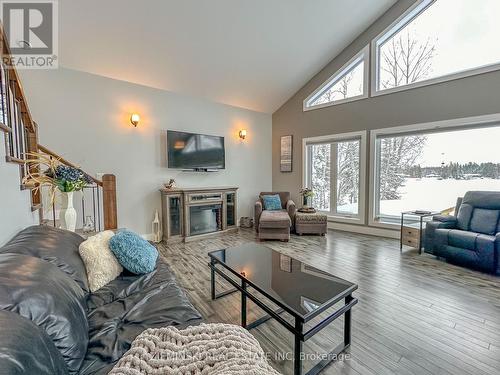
{"points": [[57, 175], [68, 179]]}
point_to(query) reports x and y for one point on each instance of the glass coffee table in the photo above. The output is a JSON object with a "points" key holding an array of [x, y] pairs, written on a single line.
{"points": [[270, 278]]}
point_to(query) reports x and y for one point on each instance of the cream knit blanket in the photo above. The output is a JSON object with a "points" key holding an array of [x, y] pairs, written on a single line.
{"points": [[218, 349]]}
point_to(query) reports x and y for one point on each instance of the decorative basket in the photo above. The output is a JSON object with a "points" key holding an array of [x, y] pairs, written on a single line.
{"points": [[246, 222]]}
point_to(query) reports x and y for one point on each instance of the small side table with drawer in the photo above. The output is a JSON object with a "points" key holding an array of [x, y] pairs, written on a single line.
{"points": [[412, 230]]}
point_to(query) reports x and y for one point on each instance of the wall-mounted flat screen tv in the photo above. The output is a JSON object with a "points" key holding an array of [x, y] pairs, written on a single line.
{"points": [[195, 151]]}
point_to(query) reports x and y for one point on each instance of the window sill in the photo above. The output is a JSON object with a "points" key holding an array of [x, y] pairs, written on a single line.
{"points": [[433, 81], [346, 219], [387, 223], [336, 102]]}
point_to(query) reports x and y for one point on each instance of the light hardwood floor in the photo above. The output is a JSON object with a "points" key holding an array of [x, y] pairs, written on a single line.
{"points": [[416, 314]]}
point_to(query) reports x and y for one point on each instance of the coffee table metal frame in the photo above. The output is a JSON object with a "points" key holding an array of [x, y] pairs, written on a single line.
{"points": [[298, 329]]}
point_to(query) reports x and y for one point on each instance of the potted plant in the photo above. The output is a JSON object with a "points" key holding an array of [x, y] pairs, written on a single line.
{"points": [[307, 195], [57, 176]]}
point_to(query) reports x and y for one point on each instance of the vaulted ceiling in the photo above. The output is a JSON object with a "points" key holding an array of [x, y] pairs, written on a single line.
{"points": [[253, 54]]}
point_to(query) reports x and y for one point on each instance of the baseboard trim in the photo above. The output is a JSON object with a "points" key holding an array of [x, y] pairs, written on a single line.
{"points": [[363, 229], [148, 236]]}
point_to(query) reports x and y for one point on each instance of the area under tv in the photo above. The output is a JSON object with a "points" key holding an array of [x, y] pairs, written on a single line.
{"points": [[200, 170], [193, 213]]}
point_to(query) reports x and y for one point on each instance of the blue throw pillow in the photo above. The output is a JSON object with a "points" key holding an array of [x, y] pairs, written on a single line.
{"points": [[271, 202], [133, 252]]}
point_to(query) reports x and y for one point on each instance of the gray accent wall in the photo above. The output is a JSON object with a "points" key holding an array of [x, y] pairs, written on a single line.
{"points": [[464, 97]]}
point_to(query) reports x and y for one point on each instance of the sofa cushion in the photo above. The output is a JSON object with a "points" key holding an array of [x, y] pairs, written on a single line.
{"points": [[480, 260], [26, 349], [272, 202], [127, 284], [41, 292], [275, 219], [484, 221], [125, 307], [57, 246], [101, 264], [485, 244], [462, 239], [483, 199], [440, 236], [133, 252], [464, 216]]}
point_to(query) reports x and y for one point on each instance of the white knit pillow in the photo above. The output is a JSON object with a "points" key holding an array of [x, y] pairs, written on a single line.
{"points": [[101, 264]]}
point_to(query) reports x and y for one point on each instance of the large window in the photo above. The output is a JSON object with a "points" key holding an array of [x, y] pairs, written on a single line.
{"points": [[438, 40], [334, 170], [430, 169], [349, 83]]}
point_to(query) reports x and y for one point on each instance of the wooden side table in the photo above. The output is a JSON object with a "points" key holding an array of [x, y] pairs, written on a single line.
{"points": [[412, 235]]}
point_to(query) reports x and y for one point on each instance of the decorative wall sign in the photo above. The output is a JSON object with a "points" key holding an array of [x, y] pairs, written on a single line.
{"points": [[286, 152]]}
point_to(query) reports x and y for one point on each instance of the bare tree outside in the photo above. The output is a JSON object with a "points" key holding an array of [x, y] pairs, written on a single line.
{"points": [[347, 175], [346, 87], [397, 156], [320, 176], [404, 59]]}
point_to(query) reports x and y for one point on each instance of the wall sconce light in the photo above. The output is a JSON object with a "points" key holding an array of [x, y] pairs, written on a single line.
{"points": [[134, 119], [243, 134]]}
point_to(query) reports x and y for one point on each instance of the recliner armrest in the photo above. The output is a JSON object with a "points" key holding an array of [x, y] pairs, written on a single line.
{"points": [[257, 213], [291, 208], [444, 218], [430, 232]]}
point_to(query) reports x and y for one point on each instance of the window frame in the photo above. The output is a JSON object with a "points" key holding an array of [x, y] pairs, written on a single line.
{"points": [[393, 222], [414, 11], [333, 214], [361, 56]]}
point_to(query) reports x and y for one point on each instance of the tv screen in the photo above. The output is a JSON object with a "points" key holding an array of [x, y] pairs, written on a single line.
{"points": [[195, 151]]}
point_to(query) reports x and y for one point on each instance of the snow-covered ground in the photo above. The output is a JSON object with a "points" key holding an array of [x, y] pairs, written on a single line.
{"points": [[431, 194]]}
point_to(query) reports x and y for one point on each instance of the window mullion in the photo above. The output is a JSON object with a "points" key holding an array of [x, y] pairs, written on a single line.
{"points": [[333, 177]]}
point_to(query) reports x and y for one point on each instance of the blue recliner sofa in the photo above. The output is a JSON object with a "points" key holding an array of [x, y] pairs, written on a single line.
{"points": [[472, 237]]}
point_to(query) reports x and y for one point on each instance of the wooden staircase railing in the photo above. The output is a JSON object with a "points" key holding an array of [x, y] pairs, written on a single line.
{"points": [[21, 138]]}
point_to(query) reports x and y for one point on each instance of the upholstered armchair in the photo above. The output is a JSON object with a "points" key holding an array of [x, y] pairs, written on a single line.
{"points": [[274, 224], [472, 237]]}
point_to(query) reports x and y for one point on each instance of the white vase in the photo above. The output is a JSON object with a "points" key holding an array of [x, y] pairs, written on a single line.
{"points": [[67, 215]]}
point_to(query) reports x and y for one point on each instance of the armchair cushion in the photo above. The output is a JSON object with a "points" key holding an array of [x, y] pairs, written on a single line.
{"points": [[484, 221], [256, 214], [272, 202], [275, 219], [290, 207]]}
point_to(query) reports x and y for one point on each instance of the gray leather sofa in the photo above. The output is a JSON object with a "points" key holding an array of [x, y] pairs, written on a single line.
{"points": [[472, 237], [52, 324], [276, 224]]}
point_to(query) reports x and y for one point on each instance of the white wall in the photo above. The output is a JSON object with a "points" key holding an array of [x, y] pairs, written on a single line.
{"points": [[15, 205], [85, 118]]}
